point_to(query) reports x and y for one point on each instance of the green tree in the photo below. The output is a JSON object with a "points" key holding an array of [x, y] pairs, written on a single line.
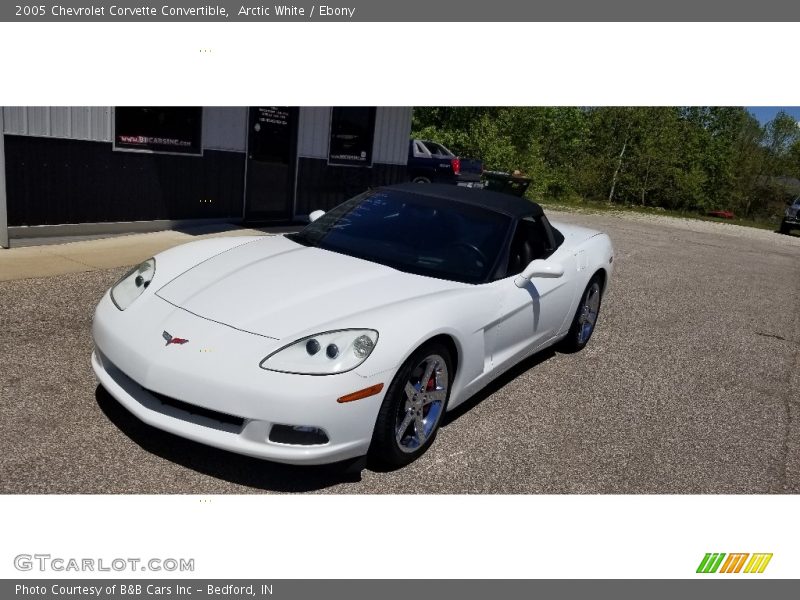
{"points": [[690, 158]]}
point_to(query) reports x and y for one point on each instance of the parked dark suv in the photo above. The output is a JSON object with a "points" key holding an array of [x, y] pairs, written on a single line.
{"points": [[430, 162], [791, 218]]}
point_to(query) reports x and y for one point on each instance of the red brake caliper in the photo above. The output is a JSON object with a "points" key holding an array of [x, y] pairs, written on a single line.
{"points": [[431, 383], [429, 387]]}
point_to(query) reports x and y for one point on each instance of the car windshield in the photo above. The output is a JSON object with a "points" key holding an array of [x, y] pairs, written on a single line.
{"points": [[415, 234]]}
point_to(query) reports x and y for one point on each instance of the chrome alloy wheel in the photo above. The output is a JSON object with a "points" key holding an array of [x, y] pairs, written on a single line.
{"points": [[589, 310], [425, 394]]}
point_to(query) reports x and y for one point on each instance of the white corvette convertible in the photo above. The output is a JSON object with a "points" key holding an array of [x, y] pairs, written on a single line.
{"points": [[353, 336]]}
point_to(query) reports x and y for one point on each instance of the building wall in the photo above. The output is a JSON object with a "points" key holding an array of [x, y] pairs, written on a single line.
{"points": [[61, 167], [392, 133], [90, 123], [323, 186], [225, 128], [390, 145], [314, 130], [58, 181]]}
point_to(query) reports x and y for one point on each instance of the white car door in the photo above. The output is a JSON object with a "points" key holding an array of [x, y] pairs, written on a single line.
{"points": [[530, 316]]}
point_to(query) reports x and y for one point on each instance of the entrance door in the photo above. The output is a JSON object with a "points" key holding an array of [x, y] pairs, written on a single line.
{"points": [[271, 157]]}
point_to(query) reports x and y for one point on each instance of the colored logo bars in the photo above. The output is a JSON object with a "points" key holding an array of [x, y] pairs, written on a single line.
{"points": [[734, 562]]}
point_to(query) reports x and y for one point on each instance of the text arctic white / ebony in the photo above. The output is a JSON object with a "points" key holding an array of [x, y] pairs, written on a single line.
{"points": [[289, 10]]}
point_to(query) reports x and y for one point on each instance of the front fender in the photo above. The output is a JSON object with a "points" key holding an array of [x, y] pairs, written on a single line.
{"points": [[461, 315]]}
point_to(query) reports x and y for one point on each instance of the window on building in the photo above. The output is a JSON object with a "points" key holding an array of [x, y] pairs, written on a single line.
{"points": [[352, 133], [159, 129]]}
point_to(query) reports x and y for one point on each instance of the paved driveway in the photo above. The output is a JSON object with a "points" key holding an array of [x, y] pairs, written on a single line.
{"points": [[689, 385]]}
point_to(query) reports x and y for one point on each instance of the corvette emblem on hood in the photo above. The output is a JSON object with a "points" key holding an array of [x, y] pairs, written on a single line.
{"points": [[173, 340]]}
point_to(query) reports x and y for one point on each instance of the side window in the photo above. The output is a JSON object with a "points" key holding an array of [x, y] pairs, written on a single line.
{"points": [[558, 237], [351, 136], [429, 146], [436, 149], [530, 242]]}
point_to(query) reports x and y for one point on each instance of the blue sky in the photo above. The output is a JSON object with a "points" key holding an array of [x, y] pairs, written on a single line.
{"points": [[767, 113]]}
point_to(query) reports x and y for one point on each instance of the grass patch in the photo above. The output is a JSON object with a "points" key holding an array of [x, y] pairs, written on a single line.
{"points": [[580, 205]]}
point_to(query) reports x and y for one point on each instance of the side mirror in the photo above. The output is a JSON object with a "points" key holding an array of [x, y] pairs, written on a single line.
{"points": [[539, 268], [315, 215]]}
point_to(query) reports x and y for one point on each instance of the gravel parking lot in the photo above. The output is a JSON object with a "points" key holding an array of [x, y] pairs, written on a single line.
{"points": [[691, 384]]}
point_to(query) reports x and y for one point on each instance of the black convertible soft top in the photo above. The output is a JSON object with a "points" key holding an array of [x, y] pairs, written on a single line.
{"points": [[503, 203]]}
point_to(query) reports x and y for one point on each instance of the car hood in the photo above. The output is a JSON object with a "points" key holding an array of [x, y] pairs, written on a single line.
{"points": [[277, 288]]}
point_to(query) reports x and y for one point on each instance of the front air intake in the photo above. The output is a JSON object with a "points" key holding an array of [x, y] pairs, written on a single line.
{"points": [[198, 410], [298, 435]]}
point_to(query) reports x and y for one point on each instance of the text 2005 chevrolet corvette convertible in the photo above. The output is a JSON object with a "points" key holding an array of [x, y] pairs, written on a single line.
{"points": [[356, 334]]}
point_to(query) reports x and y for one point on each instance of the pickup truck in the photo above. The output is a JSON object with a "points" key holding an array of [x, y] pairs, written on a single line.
{"points": [[791, 217], [430, 162]]}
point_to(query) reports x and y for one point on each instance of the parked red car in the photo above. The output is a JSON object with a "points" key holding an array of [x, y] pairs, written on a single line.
{"points": [[722, 214]]}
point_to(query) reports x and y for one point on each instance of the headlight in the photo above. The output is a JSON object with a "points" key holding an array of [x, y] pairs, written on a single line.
{"points": [[325, 353], [133, 284]]}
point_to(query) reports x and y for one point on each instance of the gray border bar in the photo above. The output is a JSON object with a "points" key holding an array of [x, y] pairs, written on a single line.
{"points": [[731, 588], [405, 11]]}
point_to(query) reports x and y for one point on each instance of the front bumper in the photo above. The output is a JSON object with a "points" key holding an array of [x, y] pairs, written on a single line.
{"points": [[218, 371], [792, 220]]}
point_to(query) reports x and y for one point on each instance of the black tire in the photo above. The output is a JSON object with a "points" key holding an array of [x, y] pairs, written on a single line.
{"points": [[577, 338], [420, 179], [784, 229], [386, 451]]}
